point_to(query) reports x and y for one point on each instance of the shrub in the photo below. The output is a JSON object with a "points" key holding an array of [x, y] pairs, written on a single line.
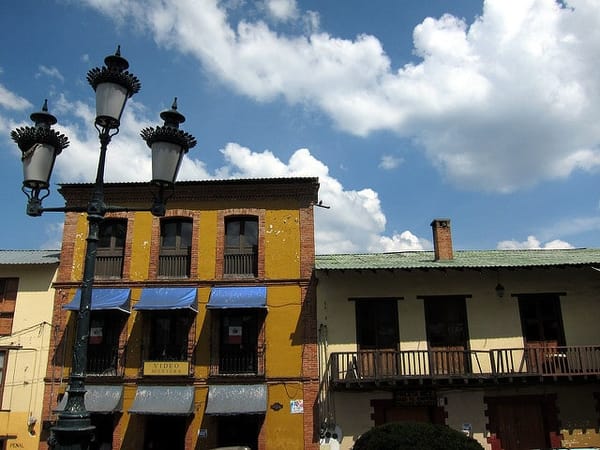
{"points": [[415, 436]]}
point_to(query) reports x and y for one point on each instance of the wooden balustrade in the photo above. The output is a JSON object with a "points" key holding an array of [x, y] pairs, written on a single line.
{"points": [[387, 365]]}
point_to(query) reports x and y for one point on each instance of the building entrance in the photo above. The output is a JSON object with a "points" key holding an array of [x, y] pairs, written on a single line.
{"points": [[242, 429]]}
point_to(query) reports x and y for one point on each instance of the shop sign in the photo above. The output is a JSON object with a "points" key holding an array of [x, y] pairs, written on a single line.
{"points": [[166, 368]]}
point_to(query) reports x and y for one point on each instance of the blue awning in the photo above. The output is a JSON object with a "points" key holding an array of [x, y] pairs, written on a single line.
{"points": [[153, 299], [103, 299], [238, 297], [229, 399], [163, 400]]}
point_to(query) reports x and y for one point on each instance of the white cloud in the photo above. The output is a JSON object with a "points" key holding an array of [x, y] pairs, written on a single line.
{"points": [[54, 235], [532, 243], [389, 162], [405, 241], [501, 103], [10, 100], [282, 9], [51, 72], [355, 221]]}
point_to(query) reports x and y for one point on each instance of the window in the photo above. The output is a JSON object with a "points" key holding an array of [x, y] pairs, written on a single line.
{"points": [[377, 337], [111, 248], [239, 342], [175, 248], [447, 334], [541, 319], [241, 246], [103, 344], [377, 324], [8, 300], [169, 332]]}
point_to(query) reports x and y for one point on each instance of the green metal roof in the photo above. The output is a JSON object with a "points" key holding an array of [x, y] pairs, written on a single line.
{"points": [[9, 257], [464, 259]]}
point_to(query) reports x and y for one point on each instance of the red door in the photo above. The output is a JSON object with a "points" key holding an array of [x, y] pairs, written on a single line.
{"points": [[518, 422]]}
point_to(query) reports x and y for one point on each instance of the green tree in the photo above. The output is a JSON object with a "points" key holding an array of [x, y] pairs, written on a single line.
{"points": [[415, 436]]}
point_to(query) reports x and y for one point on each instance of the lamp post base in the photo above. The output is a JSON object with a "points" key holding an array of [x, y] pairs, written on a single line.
{"points": [[75, 435]]}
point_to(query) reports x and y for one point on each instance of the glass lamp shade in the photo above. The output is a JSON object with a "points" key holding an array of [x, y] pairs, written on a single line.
{"points": [[166, 159], [37, 166], [110, 102]]}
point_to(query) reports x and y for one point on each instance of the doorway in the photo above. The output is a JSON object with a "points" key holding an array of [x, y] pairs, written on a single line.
{"points": [[165, 433], [520, 423], [447, 335], [242, 429]]}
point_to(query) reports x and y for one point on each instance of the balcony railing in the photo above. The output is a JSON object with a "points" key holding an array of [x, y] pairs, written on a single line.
{"points": [[109, 265], [103, 363], [241, 263], [242, 362], [173, 264], [384, 365]]}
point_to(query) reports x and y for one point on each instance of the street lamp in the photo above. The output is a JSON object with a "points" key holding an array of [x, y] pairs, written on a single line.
{"points": [[40, 145]]}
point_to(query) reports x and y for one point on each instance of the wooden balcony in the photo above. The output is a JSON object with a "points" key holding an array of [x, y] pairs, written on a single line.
{"points": [[238, 263], [108, 265], [354, 369]]}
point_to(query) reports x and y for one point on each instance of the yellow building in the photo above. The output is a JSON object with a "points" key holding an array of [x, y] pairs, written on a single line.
{"points": [[203, 324], [503, 345], [27, 296]]}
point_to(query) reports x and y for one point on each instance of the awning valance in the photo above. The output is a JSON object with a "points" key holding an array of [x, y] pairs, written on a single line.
{"points": [[163, 400], [167, 298], [103, 299], [238, 297], [102, 399], [232, 399]]}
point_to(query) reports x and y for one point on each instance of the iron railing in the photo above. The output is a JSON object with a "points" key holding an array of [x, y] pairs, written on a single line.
{"points": [[238, 362], [381, 365], [104, 363]]}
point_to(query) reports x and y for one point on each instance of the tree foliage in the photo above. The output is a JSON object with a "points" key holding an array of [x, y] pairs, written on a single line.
{"points": [[415, 436]]}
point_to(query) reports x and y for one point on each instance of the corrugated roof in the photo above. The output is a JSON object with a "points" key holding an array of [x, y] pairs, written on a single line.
{"points": [[29, 257], [462, 259]]}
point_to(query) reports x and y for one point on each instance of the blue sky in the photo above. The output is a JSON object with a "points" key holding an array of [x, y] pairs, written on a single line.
{"points": [[484, 112]]}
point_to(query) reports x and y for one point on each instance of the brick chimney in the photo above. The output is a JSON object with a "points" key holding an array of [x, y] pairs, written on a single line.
{"points": [[442, 239]]}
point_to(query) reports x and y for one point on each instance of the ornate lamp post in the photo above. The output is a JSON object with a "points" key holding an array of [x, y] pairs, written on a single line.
{"points": [[40, 146]]}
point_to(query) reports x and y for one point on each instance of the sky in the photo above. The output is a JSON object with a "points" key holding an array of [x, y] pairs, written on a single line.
{"points": [[483, 112]]}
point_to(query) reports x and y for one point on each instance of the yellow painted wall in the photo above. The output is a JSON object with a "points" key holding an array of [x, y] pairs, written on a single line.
{"points": [[282, 244], [283, 334], [140, 246], [207, 245], [25, 368], [282, 428]]}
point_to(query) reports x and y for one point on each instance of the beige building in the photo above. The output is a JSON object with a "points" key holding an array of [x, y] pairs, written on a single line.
{"points": [[503, 345], [26, 302]]}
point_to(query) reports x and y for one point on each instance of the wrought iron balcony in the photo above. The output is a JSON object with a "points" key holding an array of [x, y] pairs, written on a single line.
{"points": [[239, 362], [377, 366]]}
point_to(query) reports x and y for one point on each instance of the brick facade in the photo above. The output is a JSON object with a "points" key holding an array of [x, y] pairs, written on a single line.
{"points": [[208, 204]]}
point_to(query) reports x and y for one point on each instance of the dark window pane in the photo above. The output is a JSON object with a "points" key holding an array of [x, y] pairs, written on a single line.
{"points": [[169, 234], [232, 233], [186, 235], [377, 324], [250, 232]]}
